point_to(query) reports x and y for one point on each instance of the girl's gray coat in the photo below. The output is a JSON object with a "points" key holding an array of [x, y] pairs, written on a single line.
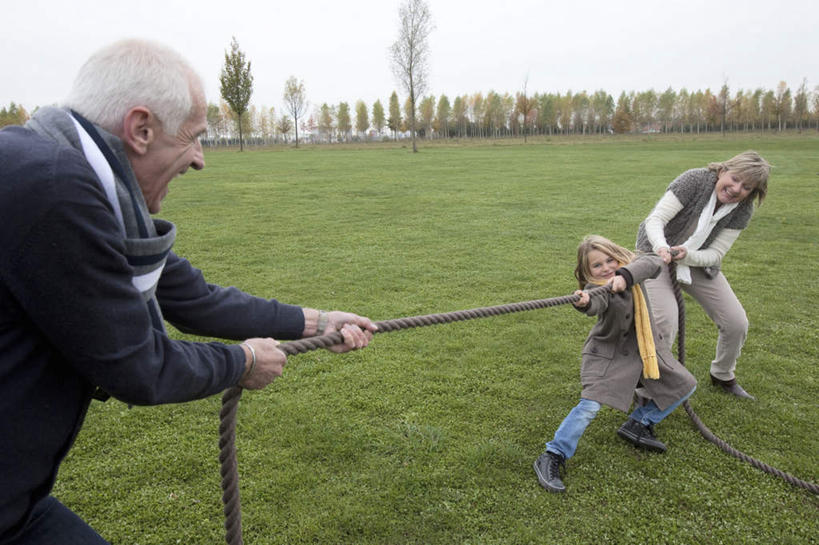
{"points": [[612, 368]]}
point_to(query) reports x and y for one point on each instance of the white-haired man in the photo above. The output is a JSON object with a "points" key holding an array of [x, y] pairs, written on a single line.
{"points": [[87, 278]]}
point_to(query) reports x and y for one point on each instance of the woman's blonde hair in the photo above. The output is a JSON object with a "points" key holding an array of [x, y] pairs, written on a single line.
{"points": [[749, 167], [601, 244]]}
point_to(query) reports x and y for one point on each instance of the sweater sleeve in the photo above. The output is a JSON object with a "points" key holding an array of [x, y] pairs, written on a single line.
{"points": [[67, 270], [713, 254], [665, 209], [643, 267], [194, 306], [598, 302]]}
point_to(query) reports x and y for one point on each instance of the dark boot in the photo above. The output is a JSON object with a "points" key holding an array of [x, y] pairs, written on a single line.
{"points": [[641, 436], [547, 468], [731, 387]]}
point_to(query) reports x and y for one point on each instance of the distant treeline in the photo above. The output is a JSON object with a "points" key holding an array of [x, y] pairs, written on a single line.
{"points": [[495, 115]]}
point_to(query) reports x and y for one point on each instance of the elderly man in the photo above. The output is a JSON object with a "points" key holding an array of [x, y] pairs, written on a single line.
{"points": [[87, 278]]}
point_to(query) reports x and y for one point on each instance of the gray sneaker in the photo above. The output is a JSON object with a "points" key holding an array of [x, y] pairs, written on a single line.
{"points": [[547, 468]]}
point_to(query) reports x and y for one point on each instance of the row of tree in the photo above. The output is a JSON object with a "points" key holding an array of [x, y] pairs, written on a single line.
{"points": [[493, 115]]}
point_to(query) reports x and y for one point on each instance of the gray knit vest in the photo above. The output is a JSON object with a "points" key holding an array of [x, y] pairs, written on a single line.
{"points": [[693, 188]]}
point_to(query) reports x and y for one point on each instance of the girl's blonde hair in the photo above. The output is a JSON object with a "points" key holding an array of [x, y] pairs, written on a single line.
{"points": [[602, 244], [749, 167]]}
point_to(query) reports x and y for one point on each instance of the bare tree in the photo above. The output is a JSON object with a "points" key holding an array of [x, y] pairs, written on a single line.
{"points": [[236, 84], [410, 53], [295, 100]]}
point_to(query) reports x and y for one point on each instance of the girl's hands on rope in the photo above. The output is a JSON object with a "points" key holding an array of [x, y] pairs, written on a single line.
{"points": [[264, 363], [674, 253], [616, 284], [356, 330]]}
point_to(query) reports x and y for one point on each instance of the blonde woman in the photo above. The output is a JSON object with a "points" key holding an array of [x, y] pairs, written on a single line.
{"points": [[694, 224]]}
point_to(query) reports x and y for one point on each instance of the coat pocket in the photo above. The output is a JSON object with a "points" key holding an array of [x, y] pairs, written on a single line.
{"points": [[597, 358]]}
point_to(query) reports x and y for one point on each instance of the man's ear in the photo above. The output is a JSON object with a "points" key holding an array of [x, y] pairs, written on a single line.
{"points": [[138, 129]]}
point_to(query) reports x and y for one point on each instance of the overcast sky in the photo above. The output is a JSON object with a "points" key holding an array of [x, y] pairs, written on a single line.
{"points": [[340, 48]]}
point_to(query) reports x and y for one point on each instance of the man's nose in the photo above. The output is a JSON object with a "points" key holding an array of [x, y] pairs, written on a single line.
{"points": [[198, 162]]}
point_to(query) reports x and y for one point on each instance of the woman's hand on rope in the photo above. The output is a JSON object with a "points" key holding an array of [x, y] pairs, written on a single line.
{"points": [[675, 253], [678, 252], [263, 364], [356, 330]]}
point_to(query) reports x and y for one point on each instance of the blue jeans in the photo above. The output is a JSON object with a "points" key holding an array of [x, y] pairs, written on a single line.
{"points": [[53, 523], [571, 429], [568, 434], [650, 414]]}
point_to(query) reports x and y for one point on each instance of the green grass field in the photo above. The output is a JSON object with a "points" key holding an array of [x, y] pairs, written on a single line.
{"points": [[428, 436]]}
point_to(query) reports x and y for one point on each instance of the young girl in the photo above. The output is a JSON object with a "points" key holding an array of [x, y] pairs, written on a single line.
{"points": [[618, 356]]}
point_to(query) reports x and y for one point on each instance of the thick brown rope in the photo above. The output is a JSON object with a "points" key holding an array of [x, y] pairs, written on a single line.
{"points": [[229, 466], [230, 399], [703, 429]]}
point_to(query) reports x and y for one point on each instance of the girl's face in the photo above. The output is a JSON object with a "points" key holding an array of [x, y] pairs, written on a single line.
{"points": [[602, 265], [731, 189]]}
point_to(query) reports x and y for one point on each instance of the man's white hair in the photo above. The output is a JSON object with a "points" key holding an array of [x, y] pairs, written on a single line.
{"points": [[132, 73]]}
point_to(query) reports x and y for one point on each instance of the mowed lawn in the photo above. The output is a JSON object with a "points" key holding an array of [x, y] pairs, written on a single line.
{"points": [[428, 436]]}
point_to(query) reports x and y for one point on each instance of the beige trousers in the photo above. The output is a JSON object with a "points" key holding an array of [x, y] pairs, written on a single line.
{"points": [[720, 304]]}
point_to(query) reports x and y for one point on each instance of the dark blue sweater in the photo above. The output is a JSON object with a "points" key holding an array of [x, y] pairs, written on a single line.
{"points": [[71, 320]]}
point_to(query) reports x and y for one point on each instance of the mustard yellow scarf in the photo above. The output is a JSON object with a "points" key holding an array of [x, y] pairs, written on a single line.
{"points": [[645, 338]]}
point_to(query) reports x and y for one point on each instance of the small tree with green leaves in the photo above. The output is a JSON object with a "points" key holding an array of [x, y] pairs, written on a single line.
{"points": [[362, 118], [343, 119], [284, 126], [394, 121], [236, 84], [326, 121], [524, 106], [378, 117], [442, 116], [621, 123]]}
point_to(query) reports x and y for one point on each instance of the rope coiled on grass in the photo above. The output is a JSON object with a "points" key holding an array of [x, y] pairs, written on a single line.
{"points": [[703, 429]]}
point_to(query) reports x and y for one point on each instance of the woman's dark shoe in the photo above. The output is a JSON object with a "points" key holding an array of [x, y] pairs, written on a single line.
{"points": [[641, 436], [731, 387], [547, 468]]}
